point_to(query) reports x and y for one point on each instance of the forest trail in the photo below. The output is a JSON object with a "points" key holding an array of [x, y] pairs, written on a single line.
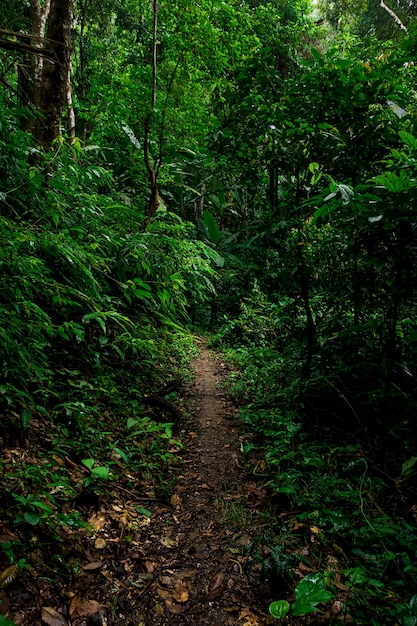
{"points": [[195, 548], [146, 560]]}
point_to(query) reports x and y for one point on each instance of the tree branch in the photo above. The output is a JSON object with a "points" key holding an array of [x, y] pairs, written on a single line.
{"points": [[393, 15], [6, 44]]}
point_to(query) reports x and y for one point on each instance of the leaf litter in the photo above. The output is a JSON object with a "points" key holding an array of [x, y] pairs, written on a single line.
{"points": [[151, 563]]}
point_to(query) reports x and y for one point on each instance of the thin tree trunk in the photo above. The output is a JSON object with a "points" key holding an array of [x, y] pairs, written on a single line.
{"points": [[152, 169], [39, 17], [71, 112]]}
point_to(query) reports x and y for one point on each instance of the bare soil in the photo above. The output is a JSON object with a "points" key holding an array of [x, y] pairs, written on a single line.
{"points": [[197, 546]]}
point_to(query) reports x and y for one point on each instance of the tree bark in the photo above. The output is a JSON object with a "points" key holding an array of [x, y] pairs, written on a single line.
{"points": [[39, 18], [54, 84]]}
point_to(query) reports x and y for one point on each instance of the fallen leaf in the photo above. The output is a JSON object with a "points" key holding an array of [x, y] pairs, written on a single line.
{"points": [[180, 593], [8, 575], [175, 500], [168, 542], [249, 618], [124, 519], [51, 617], [173, 607], [216, 586], [97, 520], [95, 565], [100, 543], [82, 607]]}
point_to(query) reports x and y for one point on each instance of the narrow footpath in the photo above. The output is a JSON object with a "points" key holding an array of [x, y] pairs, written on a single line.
{"points": [[195, 549]]}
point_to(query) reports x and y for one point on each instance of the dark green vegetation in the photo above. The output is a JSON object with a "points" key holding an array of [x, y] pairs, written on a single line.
{"points": [[242, 168]]}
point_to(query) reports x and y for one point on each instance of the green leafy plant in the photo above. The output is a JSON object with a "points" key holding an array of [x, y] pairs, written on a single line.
{"points": [[309, 592]]}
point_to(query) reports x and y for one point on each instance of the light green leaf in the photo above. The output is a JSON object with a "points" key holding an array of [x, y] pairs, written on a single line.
{"points": [[392, 182], [279, 609], [100, 472], [143, 511], [88, 463]]}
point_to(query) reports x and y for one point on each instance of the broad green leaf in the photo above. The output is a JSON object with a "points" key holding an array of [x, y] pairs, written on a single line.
{"points": [[408, 466], [308, 593], [100, 472], [212, 226], [413, 605], [88, 463], [32, 517], [26, 417], [279, 609]]}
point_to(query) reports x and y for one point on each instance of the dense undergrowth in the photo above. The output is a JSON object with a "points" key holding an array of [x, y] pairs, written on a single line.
{"points": [[93, 302], [342, 488]]}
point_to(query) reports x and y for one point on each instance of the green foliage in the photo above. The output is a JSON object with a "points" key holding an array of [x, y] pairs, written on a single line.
{"points": [[4, 621]]}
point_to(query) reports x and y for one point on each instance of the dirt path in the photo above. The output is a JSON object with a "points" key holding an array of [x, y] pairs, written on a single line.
{"points": [[177, 564], [195, 548]]}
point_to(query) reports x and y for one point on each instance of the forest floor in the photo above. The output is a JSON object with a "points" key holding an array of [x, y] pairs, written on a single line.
{"points": [[151, 562], [196, 547], [178, 562]]}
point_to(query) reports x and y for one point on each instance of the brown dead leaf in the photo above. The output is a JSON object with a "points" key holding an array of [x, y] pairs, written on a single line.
{"points": [[180, 593], [247, 618], [173, 607], [168, 542], [83, 607], [94, 566], [124, 518], [58, 460], [163, 593], [175, 500], [100, 543], [8, 575], [51, 617], [216, 586], [97, 520]]}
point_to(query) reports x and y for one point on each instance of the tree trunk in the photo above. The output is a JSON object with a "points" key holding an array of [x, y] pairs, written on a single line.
{"points": [[54, 84], [39, 17]]}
